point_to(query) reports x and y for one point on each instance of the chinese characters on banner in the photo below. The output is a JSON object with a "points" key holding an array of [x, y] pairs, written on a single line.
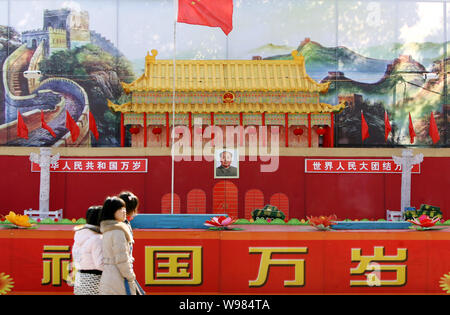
{"points": [[85, 165], [183, 266], [173, 265], [344, 166], [56, 264]]}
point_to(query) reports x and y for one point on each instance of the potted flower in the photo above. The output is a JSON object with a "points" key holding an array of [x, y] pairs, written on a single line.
{"points": [[18, 220], [220, 223], [424, 222], [322, 223]]}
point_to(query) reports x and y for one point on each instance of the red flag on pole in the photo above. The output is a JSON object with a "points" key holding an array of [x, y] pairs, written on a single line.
{"points": [[214, 13], [364, 128], [45, 126], [434, 132], [93, 126], [412, 133], [387, 126], [22, 130], [72, 126]]}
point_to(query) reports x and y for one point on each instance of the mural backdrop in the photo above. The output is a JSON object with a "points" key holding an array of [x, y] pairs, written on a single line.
{"points": [[61, 59]]}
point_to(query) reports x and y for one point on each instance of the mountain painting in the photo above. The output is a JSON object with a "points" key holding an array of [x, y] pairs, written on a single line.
{"points": [[67, 60]]}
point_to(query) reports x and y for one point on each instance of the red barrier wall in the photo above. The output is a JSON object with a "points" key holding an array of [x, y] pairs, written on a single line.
{"points": [[353, 196], [269, 260]]}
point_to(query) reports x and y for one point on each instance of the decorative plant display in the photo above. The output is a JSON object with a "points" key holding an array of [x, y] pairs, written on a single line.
{"points": [[429, 210], [18, 220], [220, 223], [322, 223], [241, 221], [424, 222]]}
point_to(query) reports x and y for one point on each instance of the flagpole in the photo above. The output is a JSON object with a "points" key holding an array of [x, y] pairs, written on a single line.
{"points": [[362, 136], [173, 104], [89, 124], [227, 48]]}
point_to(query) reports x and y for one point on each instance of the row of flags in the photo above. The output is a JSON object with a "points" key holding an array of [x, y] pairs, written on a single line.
{"points": [[22, 129], [433, 131]]}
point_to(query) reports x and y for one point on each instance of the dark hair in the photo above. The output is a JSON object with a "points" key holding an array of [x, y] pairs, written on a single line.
{"points": [[131, 201], [93, 215], [110, 206]]}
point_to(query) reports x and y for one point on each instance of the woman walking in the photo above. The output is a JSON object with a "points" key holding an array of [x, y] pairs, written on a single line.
{"points": [[118, 275], [87, 254], [131, 206]]}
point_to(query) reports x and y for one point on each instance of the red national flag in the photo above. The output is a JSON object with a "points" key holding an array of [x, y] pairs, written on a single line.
{"points": [[412, 133], [364, 128], [45, 126], [214, 13], [22, 130], [93, 126], [72, 126], [434, 132], [387, 126]]}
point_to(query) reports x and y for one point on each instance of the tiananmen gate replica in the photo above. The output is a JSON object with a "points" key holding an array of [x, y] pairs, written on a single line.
{"points": [[313, 170], [227, 92]]}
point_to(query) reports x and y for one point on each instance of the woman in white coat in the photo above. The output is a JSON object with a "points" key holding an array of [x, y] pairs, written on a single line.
{"points": [[118, 277], [87, 254]]}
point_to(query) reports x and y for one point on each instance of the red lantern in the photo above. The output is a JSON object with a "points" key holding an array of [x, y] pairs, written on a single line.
{"points": [[157, 130], [320, 131], [298, 131], [134, 129]]}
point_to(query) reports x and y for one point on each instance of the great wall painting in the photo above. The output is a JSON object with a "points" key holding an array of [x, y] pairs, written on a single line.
{"points": [[81, 67]]}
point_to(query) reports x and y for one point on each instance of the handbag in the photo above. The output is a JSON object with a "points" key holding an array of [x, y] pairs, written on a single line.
{"points": [[139, 290]]}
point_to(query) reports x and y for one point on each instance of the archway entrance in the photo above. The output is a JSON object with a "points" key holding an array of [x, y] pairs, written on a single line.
{"points": [[225, 198]]}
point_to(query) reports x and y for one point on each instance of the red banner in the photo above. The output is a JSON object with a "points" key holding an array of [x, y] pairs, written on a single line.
{"points": [[84, 165], [373, 166], [177, 262]]}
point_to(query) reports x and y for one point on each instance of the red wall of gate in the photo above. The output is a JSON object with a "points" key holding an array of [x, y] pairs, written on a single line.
{"points": [[297, 193]]}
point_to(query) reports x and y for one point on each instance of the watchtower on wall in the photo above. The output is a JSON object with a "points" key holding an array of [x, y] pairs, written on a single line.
{"points": [[62, 29], [56, 19]]}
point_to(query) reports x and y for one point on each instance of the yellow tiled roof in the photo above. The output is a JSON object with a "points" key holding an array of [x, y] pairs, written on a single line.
{"points": [[227, 108], [226, 75]]}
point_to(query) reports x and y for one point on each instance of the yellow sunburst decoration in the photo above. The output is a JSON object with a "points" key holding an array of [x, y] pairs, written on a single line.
{"points": [[6, 283], [445, 283]]}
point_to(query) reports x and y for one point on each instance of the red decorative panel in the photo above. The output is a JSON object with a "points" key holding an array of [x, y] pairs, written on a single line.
{"points": [[281, 201], [264, 260], [196, 201], [166, 203], [225, 198], [254, 199]]}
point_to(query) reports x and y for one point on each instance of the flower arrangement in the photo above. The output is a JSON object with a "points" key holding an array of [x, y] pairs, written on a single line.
{"points": [[424, 222], [220, 223], [322, 223], [18, 220]]}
